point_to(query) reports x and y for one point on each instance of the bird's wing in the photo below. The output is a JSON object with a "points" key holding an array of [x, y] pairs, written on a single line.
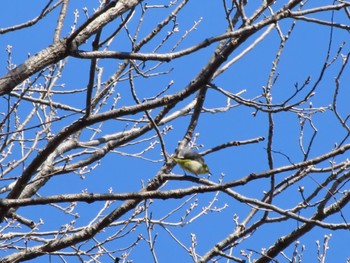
{"points": [[193, 156]]}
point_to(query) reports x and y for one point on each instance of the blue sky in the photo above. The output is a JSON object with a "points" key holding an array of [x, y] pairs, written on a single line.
{"points": [[303, 56]]}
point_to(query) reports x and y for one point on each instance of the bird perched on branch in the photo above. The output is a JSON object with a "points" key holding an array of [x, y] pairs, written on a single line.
{"points": [[192, 162]]}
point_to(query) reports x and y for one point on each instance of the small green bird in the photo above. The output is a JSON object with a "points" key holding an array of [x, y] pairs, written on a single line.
{"points": [[192, 162]]}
